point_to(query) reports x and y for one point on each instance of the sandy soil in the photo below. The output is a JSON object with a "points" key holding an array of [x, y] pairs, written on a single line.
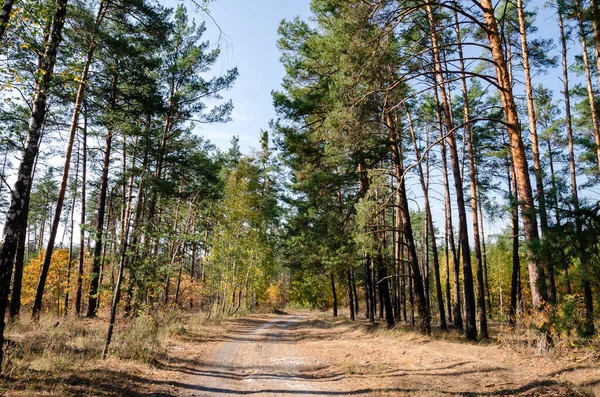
{"points": [[310, 355]]}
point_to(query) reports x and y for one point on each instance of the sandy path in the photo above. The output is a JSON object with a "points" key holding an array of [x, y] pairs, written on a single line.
{"points": [[263, 361], [306, 356]]}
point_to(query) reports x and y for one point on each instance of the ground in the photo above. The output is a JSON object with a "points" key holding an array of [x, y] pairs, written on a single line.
{"points": [[308, 355], [311, 354]]}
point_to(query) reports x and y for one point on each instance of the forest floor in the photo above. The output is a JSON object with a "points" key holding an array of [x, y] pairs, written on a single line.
{"points": [[312, 354]]}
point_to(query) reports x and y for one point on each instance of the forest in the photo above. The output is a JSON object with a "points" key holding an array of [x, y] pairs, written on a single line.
{"points": [[433, 165]]}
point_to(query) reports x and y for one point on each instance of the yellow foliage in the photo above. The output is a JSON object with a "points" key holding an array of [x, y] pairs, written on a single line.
{"points": [[56, 283], [274, 296]]}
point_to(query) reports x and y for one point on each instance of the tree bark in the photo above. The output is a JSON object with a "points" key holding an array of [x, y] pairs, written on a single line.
{"points": [[72, 225], [568, 124], [19, 198], [596, 29], [451, 247], [516, 261], [95, 276], [537, 166], [588, 79], [117, 289], [473, 182], [5, 16], [350, 294], [370, 313], [385, 291], [431, 227], [79, 292], [484, 256], [528, 213], [37, 305], [405, 221], [333, 292], [463, 238], [17, 283]]}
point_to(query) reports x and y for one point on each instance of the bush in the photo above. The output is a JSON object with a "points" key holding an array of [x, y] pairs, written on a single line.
{"points": [[311, 291], [141, 340], [569, 317]]}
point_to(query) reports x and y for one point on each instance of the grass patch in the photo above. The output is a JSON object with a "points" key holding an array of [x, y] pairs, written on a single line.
{"points": [[61, 356]]}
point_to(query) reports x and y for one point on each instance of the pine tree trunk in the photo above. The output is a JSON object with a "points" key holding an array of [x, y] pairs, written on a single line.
{"points": [[350, 294], [473, 182], [516, 261], [385, 291], [537, 166], [37, 305], [334, 294], [463, 238], [117, 289], [97, 260], [431, 227], [19, 198], [456, 298], [528, 212], [421, 302], [596, 29], [569, 125], [485, 266], [355, 295], [588, 79], [14, 308], [79, 292], [72, 225], [369, 314]]}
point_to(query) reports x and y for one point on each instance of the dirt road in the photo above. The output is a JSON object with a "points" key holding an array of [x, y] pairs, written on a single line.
{"points": [[262, 358], [301, 355]]}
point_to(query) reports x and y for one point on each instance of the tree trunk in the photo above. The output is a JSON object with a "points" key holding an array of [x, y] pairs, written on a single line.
{"points": [[485, 266], [385, 291], [79, 292], [537, 166], [569, 124], [456, 299], [72, 225], [473, 183], [17, 283], [403, 208], [369, 314], [516, 261], [19, 198], [95, 276], [463, 238], [350, 294], [354, 294], [517, 148], [333, 292], [588, 79], [117, 289], [37, 305], [430, 226], [5, 16]]}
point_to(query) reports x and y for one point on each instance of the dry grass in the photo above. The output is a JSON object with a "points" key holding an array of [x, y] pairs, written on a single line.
{"points": [[401, 361], [60, 356]]}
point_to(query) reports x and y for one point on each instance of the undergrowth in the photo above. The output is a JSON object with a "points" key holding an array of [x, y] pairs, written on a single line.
{"points": [[62, 355]]}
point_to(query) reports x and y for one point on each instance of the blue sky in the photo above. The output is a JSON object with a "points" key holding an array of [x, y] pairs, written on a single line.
{"points": [[250, 29]]}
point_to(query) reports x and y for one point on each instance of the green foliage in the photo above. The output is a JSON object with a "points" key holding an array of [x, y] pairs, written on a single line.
{"points": [[311, 290]]}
